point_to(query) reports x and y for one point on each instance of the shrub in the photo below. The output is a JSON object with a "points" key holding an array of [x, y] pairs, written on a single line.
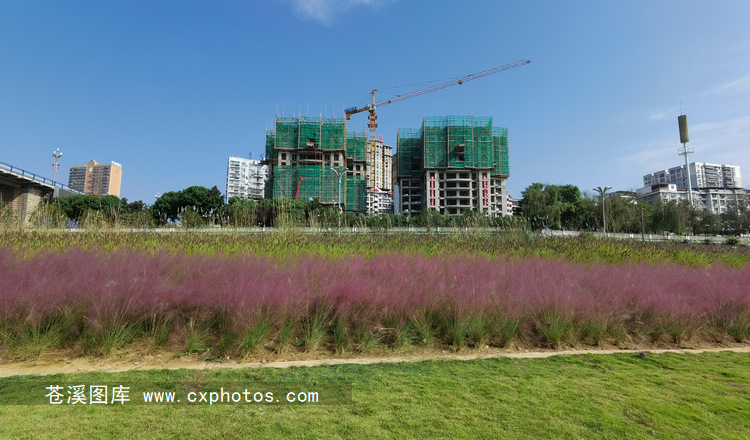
{"points": [[254, 336], [553, 328], [593, 331], [314, 329], [739, 328], [286, 332], [504, 331], [366, 337], [732, 241], [422, 328], [340, 336]]}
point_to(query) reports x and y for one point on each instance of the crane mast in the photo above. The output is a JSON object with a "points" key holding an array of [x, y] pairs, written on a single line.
{"points": [[373, 118]]}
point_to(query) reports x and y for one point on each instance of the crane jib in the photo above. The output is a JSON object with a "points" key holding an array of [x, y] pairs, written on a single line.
{"points": [[372, 119]]}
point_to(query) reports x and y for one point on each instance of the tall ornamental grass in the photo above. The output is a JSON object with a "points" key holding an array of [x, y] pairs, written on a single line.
{"points": [[331, 246], [242, 304]]}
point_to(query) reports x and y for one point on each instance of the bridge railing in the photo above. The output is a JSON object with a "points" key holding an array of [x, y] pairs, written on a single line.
{"points": [[35, 177]]}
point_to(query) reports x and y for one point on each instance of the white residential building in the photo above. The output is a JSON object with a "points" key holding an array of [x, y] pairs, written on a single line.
{"points": [[713, 200], [702, 175], [246, 178], [379, 201], [512, 205]]}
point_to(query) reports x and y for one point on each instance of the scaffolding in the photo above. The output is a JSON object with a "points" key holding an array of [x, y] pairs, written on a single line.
{"points": [[316, 182], [283, 182], [333, 134], [270, 145], [482, 132], [435, 136], [287, 132], [500, 141], [458, 142], [356, 194], [356, 146], [309, 133], [409, 148], [455, 163], [298, 152], [454, 142]]}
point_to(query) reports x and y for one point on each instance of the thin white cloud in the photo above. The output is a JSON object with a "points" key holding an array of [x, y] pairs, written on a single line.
{"points": [[659, 115], [724, 141], [326, 11], [735, 86], [651, 157]]}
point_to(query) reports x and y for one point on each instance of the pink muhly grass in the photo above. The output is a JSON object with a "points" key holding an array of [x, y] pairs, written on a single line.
{"points": [[130, 286]]}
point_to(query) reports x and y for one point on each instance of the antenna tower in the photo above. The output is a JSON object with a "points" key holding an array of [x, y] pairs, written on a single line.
{"points": [[685, 151]]}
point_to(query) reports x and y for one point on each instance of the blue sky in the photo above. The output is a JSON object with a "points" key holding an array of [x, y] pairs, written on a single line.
{"points": [[170, 89]]}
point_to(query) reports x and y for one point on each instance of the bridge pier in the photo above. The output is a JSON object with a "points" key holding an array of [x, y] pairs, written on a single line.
{"points": [[23, 191], [25, 200]]}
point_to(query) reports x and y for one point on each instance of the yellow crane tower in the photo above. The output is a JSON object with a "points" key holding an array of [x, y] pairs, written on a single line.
{"points": [[373, 118]]}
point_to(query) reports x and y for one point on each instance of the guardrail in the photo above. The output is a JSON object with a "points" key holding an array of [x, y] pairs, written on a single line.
{"points": [[717, 239], [35, 177]]}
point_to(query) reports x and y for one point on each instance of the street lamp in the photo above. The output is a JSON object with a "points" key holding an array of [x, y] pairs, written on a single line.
{"points": [[57, 155], [339, 173], [601, 192]]}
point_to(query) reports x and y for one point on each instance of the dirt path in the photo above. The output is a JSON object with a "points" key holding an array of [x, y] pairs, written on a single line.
{"points": [[50, 364]]}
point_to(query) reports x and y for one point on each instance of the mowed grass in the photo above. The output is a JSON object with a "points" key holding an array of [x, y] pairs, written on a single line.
{"points": [[619, 396]]}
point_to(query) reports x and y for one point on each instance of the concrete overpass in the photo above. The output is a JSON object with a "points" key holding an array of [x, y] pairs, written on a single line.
{"points": [[24, 190]]}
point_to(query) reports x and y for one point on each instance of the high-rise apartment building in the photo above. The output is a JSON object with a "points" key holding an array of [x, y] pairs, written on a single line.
{"points": [[453, 164], [315, 158], [96, 179], [246, 178], [702, 175], [713, 200], [379, 177]]}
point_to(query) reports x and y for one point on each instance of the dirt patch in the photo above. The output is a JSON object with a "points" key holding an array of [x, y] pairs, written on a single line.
{"points": [[61, 362]]}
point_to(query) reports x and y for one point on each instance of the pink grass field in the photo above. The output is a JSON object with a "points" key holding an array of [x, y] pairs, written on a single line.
{"points": [[130, 285]]}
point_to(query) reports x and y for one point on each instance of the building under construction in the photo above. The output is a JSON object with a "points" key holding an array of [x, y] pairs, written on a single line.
{"points": [[303, 153], [453, 164]]}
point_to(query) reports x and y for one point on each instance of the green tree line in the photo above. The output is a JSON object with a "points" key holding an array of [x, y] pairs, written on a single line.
{"points": [[542, 206], [565, 207]]}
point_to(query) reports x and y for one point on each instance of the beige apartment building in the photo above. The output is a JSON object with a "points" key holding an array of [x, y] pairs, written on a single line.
{"points": [[379, 177], [96, 179]]}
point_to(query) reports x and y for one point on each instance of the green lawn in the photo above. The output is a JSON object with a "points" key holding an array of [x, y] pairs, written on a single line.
{"points": [[584, 396]]}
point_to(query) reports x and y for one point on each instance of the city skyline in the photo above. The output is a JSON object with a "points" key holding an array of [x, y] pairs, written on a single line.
{"points": [[191, 84]]}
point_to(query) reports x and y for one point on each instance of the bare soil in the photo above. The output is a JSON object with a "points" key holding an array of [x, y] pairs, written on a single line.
{"points": [[132, 358]]}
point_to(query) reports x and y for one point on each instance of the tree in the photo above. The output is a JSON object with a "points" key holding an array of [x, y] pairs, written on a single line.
{"points": [[554, 206], [706, 223], [206, 202], [574, 207], [669, 217], [167, 207], [239, 212], [78, 206], [736, 219], [623, 215], [533, 205]]}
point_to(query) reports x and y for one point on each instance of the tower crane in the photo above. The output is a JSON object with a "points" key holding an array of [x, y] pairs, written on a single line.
{"points": [[373, 118]]}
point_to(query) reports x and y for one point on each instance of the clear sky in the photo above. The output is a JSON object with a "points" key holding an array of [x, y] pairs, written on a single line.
{"points": [[171, 88]]}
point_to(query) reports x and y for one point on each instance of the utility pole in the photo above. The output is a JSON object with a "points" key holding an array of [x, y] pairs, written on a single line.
{"points": [[341, 174], [601, 192]]}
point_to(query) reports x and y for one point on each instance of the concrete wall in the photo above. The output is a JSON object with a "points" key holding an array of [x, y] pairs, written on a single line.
{"points": [[25, 201]]}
